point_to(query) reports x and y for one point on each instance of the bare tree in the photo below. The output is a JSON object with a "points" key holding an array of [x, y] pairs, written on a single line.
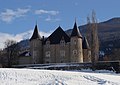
{"points": [[88, 31], [11, 48], [92, 36], [95, 41]]}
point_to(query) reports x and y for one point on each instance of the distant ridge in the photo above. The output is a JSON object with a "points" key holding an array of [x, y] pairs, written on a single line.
{"points": [[109, 33]]}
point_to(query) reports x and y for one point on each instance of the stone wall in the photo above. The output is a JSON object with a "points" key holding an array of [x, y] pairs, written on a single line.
{"points": [[36, 51], [57, 53]]}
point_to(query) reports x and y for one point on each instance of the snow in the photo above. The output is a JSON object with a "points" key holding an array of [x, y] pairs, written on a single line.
{"points": [[53, 77]]}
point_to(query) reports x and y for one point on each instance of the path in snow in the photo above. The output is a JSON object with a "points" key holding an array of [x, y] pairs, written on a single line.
{"points": [[51, 77]]}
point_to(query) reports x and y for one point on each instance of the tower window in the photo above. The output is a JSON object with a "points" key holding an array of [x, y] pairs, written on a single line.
{"points": [[47, 54], [74, 52], [74, 41]]}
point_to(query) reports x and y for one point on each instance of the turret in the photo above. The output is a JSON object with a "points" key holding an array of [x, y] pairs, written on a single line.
{"points": [[36, 47], [76, 53], [86, 51]]}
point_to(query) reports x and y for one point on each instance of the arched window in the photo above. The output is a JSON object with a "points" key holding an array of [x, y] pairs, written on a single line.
{"points": [[74, 41], [74, 52], [47, 54], [62, 53], [48, 43]]}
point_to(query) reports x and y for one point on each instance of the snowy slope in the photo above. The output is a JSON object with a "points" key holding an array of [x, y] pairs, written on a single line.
{"points": [[52, 77]]}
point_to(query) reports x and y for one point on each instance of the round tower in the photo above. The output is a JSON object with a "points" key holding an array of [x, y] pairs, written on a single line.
{"points": [[86, 51], [36, 47], [76, 53]]}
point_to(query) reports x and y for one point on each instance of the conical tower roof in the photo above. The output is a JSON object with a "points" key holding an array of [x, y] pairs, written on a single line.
{"points": [[75, 31], [35, 34], [85, 44]]}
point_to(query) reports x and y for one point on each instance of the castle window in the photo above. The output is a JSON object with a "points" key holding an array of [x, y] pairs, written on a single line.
{"points": [[48, 44], [47, 54], [74, 41], [62, 53], [62, 42], [74, 52]]}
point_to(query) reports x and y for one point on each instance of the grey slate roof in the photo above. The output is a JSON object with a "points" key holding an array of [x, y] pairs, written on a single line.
{"points": [[85, 44], [57, 35], [75, 31], [35, 34]]}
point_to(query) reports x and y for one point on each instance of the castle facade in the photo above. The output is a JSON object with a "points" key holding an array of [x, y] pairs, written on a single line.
{"points": [[59, 47]]}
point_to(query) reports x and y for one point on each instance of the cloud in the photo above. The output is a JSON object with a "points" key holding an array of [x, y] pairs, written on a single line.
{"points": [[51, 19], [8, 15], [41, 11], [19, 37]]}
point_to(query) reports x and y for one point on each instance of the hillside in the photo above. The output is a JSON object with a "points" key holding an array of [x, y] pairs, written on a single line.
{"points": [[109, 33], [53, 77]]}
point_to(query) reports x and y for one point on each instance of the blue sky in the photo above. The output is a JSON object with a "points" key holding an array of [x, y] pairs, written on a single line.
{"points": [[18, 17]]}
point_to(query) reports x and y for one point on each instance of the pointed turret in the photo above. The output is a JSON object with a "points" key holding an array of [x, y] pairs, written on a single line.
{"points": [[75, 31], [86, 51], [85, 44], [35, 34], [76, 51], [36, 47]]}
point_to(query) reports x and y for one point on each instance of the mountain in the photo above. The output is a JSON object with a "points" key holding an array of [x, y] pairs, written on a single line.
{"points": [[108, 32]]}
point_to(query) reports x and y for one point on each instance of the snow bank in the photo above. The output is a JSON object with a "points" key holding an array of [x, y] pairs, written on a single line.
{"points": [[52, 77]]}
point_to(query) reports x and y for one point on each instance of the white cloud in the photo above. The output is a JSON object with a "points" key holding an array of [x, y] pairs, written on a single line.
{"points": [[41, 11], [8, 15], [19, 37], [52, 19], [45, 34]]}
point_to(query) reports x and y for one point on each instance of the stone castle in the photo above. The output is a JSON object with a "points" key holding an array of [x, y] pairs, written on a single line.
{"points": [[59, 47]]}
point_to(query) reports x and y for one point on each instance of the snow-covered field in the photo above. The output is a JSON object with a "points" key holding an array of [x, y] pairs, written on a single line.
{"points": [[52, 77]]}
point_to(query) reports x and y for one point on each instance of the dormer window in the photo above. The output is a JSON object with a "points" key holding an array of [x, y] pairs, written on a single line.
{"points": [[62, 42], [48, 43]]}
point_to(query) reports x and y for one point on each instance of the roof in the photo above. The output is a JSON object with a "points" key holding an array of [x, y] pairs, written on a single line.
{"points": [[35, 34], [26, 53], [75, 31], [57, 36], [85, 44]]}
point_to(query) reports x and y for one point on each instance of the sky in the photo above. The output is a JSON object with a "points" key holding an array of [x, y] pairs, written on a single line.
{"points": [[18, 17]]}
